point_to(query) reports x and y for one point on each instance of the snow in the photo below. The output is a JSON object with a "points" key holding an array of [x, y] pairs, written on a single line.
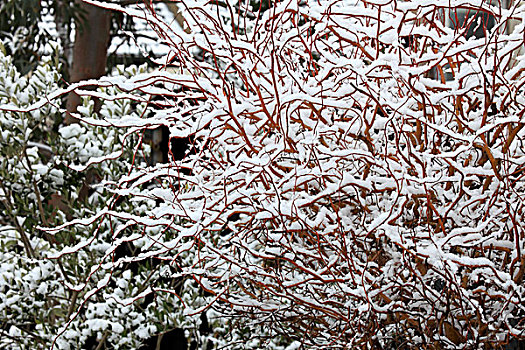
{"points": [[334, 177]]}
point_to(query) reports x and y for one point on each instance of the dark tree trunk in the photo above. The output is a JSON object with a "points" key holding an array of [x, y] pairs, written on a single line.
{"points": [[90, 49]]}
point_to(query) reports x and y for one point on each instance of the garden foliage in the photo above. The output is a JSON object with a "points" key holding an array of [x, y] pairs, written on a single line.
{"points": [[47, 294], [354, 175]]}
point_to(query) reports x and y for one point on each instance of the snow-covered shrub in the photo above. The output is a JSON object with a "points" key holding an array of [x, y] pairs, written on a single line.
{"points": [[50, 174], [355, 173]]}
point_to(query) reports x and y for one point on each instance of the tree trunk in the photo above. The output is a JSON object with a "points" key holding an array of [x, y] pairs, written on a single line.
{"points": [[90, 50]]}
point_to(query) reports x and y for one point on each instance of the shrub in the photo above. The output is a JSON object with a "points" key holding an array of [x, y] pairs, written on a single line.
{"points": [[354, 177], [74, 289]]}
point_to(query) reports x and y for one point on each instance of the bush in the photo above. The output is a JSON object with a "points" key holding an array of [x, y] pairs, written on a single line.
{"points": [[354, 177], [74, 289]]}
